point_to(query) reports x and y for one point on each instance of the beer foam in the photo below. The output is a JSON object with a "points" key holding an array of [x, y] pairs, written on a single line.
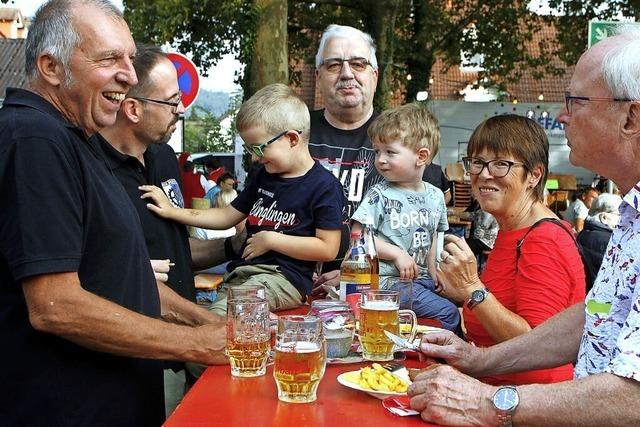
{"points": [[380, 305], [298, 347]]}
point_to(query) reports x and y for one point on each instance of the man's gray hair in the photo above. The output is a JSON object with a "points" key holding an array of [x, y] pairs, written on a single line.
{"points": [[52, 31], [335, 31], [605, 203], [621, 65]]}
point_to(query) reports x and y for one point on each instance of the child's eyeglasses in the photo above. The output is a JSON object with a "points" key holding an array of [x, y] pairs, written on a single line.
{"points": [[258, 150]]}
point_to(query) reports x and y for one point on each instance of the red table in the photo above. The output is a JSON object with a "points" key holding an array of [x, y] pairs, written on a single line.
{"points": [[218, 399]]}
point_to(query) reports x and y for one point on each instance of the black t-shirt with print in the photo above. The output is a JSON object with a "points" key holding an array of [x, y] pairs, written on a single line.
{"points": [[347, 154]]}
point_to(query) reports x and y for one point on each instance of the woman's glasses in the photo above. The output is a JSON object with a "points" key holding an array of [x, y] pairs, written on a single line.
{"points": [[497, 168]]}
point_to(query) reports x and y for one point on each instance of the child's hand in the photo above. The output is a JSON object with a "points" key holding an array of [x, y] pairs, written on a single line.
{"points": [[162, 205], [258, 244], [406, 266]]}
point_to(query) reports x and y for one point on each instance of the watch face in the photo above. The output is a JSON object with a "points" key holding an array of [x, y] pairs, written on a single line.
{"points": [[506, 399], [477, 296]]}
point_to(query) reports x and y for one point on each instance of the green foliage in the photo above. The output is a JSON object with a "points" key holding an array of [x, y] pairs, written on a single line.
{"points": [[573, 23], [206, 29], [203, 130], [410, 34]]}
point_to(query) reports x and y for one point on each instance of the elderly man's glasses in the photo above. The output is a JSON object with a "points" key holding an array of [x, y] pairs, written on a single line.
{"points": [[173, 104], [497, 168], [334, 65], [568, 99], [258, 149]]}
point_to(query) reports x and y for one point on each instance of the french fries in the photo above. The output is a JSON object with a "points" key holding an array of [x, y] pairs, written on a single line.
{"points": [[376, 378]]}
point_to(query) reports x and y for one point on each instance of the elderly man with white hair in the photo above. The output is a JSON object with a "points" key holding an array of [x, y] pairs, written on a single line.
{"points": [[602, 335]]}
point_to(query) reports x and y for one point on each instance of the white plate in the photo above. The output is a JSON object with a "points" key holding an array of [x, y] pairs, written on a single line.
{"points": [[401, 373]]}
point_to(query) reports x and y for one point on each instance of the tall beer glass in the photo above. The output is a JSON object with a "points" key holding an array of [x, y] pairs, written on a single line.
{"points": [[300, 358], [379, 312], [248, 337]]}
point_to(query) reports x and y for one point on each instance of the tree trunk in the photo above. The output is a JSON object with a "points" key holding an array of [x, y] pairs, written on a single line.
{"points": [[380, 23], [269, 63], [420, 60]]}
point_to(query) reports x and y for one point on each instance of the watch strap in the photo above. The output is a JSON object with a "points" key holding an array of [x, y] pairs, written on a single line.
{"points": [[505, 420]]}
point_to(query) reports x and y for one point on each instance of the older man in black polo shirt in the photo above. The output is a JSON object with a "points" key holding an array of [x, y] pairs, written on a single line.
{"points": [[80, 309]]}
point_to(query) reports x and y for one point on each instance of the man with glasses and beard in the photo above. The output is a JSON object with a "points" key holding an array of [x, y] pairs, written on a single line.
{"points": [[347, 74], [137, 153]]}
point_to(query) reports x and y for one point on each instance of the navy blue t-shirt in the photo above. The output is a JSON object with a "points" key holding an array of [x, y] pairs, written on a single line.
{"points": [[64, 211], [293, 206]]}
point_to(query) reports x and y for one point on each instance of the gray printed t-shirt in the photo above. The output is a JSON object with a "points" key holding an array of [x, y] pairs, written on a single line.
{"points": [[407, 219]]}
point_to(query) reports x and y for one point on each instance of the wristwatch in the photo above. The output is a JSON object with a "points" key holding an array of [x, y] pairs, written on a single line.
{"points": [[505, 400], [477, 297]]}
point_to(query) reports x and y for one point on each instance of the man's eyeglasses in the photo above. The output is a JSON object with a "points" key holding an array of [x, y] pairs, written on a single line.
{"points": [[497, 168], [258, 149], [568, 99], [173, 104], [334, 65]]}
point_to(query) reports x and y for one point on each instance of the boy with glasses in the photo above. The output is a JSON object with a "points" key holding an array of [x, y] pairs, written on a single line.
{"points": [[407, 212], [292, 207]]}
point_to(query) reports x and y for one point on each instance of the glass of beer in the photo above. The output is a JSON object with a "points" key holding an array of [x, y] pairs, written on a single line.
{"points": [[248, 336], [379, 312], [246, 291], [300, 358]]}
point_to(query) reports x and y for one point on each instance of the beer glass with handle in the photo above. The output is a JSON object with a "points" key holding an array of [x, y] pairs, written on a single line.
{"points": [[379, 312], [300, 358], [248, 336]]}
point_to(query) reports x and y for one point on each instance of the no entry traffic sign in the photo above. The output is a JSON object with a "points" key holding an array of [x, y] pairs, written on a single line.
{"points": [[188, 78]]}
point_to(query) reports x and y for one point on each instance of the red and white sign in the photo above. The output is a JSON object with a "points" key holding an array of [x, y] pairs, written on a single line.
{"points": [[188, 78]]}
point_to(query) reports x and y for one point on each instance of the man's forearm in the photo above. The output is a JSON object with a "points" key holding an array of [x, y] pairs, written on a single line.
{"points": [[553, 343], [597, 400], [58, 305], [176, 309]]}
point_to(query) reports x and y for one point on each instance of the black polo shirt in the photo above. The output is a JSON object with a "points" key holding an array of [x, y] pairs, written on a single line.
{"points": [[164, 238], [64, 211], [434, 175]]}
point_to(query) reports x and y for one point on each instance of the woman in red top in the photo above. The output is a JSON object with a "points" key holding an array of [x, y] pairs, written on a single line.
{"points": [[520, 287]]}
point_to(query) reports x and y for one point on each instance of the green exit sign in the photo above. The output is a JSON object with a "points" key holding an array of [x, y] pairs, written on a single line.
{"points": [[599, 30]]}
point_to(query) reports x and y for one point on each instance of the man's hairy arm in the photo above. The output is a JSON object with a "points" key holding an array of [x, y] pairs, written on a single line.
{"points": [[58, 305]]}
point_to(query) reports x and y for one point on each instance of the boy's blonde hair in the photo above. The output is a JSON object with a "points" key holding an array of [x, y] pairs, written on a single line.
{"points": [[275, 108], [224, 198], [412, 124]]}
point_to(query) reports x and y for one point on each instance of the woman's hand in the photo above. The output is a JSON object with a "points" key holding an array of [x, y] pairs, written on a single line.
{"points": [[458, 270], [161, 205]]}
